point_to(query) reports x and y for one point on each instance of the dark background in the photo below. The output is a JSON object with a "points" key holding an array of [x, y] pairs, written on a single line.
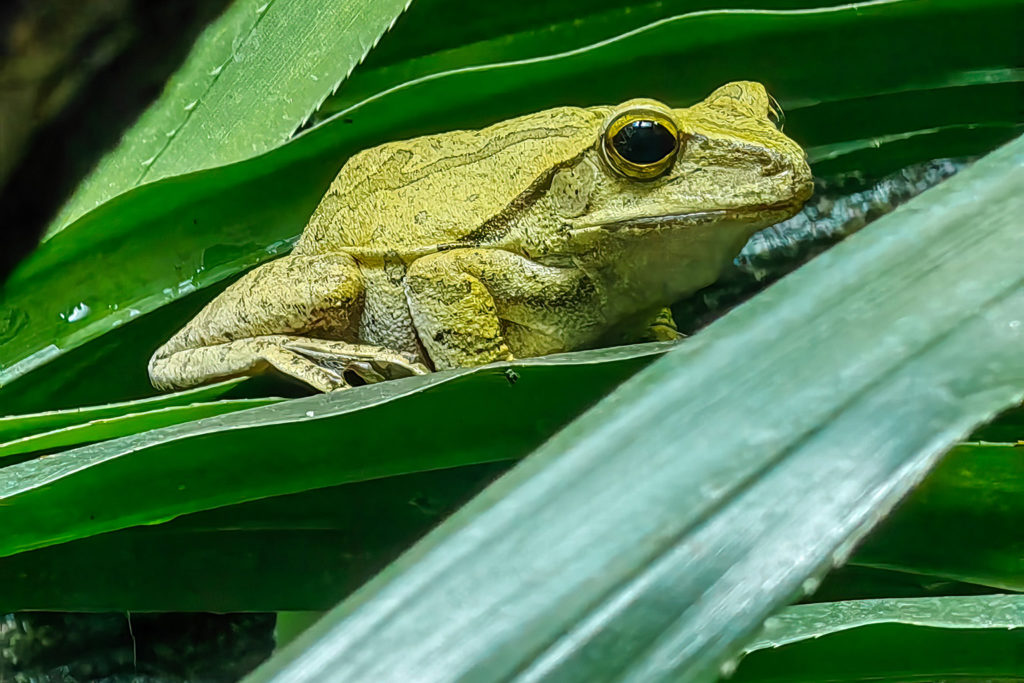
{"points": [[74, 74]]}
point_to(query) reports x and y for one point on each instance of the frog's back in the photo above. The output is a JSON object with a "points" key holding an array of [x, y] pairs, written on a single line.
{"points": [[406, 196]]}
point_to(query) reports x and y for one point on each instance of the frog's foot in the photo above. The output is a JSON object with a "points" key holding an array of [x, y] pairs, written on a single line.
{"points": [[323, 364], [368, 363], [663, 328]]}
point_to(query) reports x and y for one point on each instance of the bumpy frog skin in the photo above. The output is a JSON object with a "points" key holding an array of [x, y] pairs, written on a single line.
{"points": [[550, 232]]}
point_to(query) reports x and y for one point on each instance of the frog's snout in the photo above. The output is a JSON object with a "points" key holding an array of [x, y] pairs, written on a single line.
{"points": [[790, 167], [804, 189]]}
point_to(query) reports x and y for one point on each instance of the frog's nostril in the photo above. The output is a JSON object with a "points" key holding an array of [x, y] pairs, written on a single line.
{"points": [[773, 164]]}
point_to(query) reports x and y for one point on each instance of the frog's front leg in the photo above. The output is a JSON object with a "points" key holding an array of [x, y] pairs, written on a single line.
{"points": [[476, 306], [293, 315], [662, 327]]}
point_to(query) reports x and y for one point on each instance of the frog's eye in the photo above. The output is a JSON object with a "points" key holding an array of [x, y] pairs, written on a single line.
{"points": [[641, 144]]}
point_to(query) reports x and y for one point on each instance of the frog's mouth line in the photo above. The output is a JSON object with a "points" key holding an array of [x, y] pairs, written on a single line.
{"points": [[695, 218]]}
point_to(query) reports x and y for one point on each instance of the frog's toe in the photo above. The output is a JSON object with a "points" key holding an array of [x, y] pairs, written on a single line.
{"points": [[390, 366], [369, 363], [663, 333], [662, 328], [418, 369]]}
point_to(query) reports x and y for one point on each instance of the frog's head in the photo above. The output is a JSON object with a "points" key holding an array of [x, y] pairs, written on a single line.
{"points": [[672, 185]]}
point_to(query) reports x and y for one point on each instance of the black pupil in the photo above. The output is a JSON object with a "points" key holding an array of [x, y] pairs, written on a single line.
{"points": [[644, 142]]}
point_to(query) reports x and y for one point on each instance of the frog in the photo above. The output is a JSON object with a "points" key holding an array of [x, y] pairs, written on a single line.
{"points": [[561, 230]]}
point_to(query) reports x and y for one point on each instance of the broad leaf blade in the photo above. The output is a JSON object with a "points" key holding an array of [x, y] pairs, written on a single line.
{"points": [[650, 538], [439, 26], [556, 27], [253, 77], [946, 638], [303, 444], [804, 622]]}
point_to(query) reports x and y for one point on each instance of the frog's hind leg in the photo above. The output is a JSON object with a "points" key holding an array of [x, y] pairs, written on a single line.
{"points": [[324, 364], [295, 315], [190, 367]]}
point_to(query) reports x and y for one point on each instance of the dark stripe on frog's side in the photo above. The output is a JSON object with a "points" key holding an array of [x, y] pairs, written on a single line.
{"points": [[489, 150], [388, 176], [495, 229], [491, 233], [401, 156]]}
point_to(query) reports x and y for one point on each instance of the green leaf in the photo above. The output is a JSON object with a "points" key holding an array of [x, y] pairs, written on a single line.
{"points": [[977, 637], [20, 426], [301, 551], [805, 622], [309, 550], [974, 503], [651, 538], [121, 425], [854, 582], [162, 241], [468, 416], [413, 51], [253, 77], [432, 26]]}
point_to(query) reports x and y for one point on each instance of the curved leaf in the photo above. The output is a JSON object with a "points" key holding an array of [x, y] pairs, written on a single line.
{"points": [[803, 622], [20, 426], [468, 416], [947, 638], [101, 429], [253, 77], [300, 551], [439, 26], [413, 51]]}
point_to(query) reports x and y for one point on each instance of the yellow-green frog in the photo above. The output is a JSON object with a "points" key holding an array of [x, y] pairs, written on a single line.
{"points": [[560, 230]]}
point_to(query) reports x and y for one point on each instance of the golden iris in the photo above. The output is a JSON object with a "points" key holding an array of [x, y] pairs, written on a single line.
{"points": [[641, 143]]}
